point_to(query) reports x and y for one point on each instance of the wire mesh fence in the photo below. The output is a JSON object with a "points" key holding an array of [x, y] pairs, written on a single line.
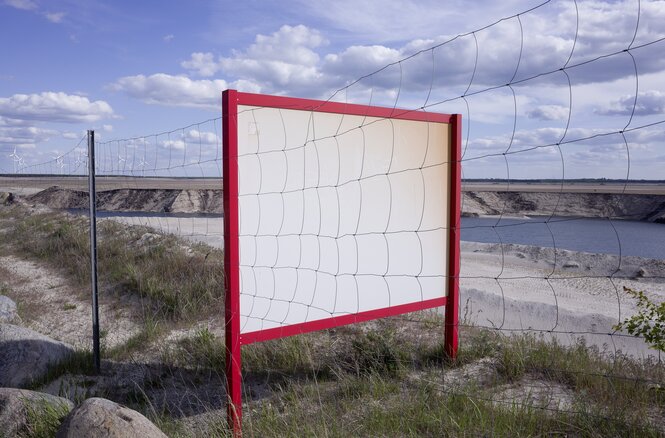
{"points": [[556, 226]]}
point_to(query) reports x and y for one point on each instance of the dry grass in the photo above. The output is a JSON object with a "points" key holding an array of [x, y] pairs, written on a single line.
{"points": [[384, 378]]}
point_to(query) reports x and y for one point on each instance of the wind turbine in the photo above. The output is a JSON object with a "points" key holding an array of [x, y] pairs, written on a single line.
{"points": [[60, 162], [15, 158]]}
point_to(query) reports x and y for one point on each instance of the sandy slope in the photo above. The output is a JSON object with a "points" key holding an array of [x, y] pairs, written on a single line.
{"points": [[518, 287]]}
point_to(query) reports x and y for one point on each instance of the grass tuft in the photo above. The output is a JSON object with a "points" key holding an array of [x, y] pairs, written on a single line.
{"points": [[43, 419]]}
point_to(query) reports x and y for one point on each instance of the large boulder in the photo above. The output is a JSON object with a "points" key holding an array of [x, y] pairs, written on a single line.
{"points": [[21, 411], [8, 313], [26, 355], [98, 417]]}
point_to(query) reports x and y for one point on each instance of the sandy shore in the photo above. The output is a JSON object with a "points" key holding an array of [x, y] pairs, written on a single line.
{"points": [[564, 294], [516, 288]]}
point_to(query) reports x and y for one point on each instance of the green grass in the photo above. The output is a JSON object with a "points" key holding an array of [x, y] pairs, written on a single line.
{"points": [[384, 378], [79, 363], [380, 402], [367, 387], [179, 282], [43, 419]]}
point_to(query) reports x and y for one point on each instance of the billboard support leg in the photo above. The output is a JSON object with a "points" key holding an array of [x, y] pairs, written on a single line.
{"points": [[451, 330]]}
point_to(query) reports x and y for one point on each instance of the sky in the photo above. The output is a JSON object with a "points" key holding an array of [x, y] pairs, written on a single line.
{"points": [[557, 89]]}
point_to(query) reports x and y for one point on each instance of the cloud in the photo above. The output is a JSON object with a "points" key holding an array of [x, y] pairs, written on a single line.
{"points": [[544, 141], [25, 136], [54, 107], [542, 41], [29, 5], [202, 137], [293, 60], [284, 59], [173, 144], [55, 17], [168, 38], [164, 89], [363, 58], [192, 138], [648, 103], [548, 112], [26, 5], [202, 64]]}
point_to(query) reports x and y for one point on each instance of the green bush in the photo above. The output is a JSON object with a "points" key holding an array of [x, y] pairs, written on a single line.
{"points": [[649, 322]]}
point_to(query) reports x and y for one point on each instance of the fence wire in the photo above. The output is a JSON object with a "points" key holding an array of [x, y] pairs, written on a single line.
{"points": [[542, 260]]}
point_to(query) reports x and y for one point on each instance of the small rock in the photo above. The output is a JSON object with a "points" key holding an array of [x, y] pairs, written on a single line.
{"points": [[641, 273], [8, 313], [569, 264], [6, 198], [98, 417], [26, 355], [520, 255], [147, 239], [17, 405]]}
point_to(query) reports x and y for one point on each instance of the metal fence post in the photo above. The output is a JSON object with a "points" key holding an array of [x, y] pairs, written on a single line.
{"points": [[93, 248]]}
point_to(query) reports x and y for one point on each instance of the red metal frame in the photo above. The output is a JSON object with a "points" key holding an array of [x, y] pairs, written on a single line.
{"points": [[232, 259], [451, 330], [234, 339], [336, 321]]}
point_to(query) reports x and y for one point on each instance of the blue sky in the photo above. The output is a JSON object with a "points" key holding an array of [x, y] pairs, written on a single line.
{"points": [[134, 68]]}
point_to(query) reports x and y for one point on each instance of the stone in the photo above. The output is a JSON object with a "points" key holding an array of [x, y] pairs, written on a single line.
{"points": [[6, 198], [26, 355], [8, 312], [18, 405], [98, 417]]}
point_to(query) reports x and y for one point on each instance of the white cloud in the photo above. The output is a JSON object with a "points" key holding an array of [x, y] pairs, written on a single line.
{"points": [[191, 140], [549, 112], [296, 60], [362, 58], [107, 128], [25, 136], [55, 17], [27, 5], [168, 38], [284, 59], [202, 64], [164, 89], [173, 144], [54, 107], [30, 5], [648, 103], [202, 137], [292, 60]]}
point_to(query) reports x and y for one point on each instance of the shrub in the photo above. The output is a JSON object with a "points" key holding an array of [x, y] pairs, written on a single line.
{"points": [[649, 322]]}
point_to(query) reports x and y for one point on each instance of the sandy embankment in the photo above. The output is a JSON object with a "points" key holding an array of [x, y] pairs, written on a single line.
{"points": [[642, 207]]}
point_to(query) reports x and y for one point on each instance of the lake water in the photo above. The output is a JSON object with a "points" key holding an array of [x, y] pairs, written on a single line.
{"points": [[628, 238]]}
